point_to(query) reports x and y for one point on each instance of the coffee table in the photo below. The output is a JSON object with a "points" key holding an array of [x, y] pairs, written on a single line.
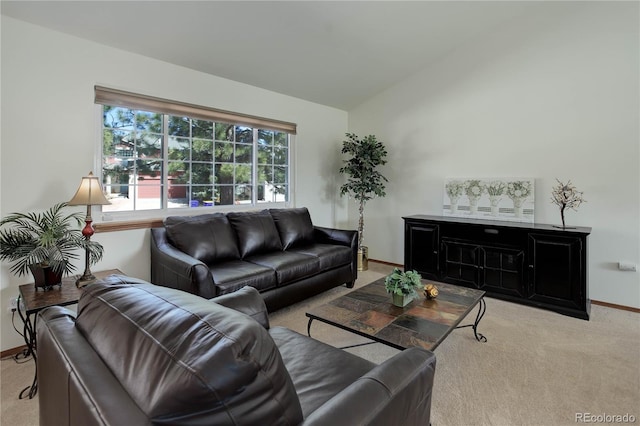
{"points": [[368, 312]]}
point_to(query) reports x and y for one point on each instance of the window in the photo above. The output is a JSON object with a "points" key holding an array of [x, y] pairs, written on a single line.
{"points": [[153, 159]]}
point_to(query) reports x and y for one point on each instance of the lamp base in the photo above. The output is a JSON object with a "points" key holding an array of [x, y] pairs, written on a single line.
{"points": [[85, 279]]}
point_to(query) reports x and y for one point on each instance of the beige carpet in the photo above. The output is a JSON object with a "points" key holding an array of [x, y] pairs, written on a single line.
{"points": [[537, 367]]}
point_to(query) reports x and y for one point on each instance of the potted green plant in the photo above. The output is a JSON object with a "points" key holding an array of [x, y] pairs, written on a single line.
{"points": [[45, 244], [364, 181], [403, 286]]}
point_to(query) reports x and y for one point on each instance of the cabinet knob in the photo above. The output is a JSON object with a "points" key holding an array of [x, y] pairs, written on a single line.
{"points": [[435, 252], [491, 231]]}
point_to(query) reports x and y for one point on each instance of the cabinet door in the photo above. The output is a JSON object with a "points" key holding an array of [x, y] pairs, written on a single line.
{"points": [[421, 249], [460, 263], [502, 271], [556, 270]]}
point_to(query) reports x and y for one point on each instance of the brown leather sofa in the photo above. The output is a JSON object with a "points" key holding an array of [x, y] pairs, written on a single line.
{"points": [[278, 251], [140, 354]]}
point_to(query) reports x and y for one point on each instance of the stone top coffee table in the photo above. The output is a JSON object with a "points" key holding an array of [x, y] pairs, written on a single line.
{"points": [[368, 312]]}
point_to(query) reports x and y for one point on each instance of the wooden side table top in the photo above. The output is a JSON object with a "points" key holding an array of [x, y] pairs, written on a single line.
{"points": [[65, 294]]}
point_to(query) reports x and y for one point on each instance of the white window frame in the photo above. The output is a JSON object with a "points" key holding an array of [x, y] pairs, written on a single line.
{"points": [[118, 216]]}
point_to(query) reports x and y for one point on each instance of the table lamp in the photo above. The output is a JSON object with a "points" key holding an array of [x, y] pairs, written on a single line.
{"points": [[90, 194]]}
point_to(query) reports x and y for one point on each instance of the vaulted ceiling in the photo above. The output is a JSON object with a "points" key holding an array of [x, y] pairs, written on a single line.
{"points": [[336, 53]]}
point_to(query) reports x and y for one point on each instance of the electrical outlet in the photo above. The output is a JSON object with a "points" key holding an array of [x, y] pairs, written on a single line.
{"points": [[13, 304], [626, 266]]}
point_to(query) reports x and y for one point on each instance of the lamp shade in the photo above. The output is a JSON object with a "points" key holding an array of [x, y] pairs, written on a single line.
{"points": [[89, 193]]}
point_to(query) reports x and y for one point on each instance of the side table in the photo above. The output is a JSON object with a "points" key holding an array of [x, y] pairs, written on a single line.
{"points": [[34, 301]]}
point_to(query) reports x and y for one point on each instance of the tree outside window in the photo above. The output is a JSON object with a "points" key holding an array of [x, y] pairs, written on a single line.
{"points": [[161, 161]]}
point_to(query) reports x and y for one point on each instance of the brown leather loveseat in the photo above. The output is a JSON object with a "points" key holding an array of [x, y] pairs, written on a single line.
{"points": [[278, 251], [140, 354]]}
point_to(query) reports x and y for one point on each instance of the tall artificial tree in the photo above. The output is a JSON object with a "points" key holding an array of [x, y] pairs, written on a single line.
{"points": [[364, 181]]}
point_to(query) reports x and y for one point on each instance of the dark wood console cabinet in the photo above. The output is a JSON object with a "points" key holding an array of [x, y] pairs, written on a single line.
{"points": [[532, 264]]}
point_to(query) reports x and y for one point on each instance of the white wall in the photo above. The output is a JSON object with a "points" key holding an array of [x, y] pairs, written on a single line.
{"points": [[50, 131], [547, 96]]}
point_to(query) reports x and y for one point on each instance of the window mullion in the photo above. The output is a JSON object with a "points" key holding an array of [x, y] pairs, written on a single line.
{"points": [[133, 177], [254, 169], [164, 193], [190, 187]]}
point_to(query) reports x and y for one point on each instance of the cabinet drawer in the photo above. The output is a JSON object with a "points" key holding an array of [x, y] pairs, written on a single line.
{"points": [[485, 235]]}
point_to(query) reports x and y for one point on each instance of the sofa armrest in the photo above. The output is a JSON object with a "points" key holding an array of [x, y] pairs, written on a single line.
{"points": [[173, 268], [75, 387], [343, 237], [248, 301], [397, 391]]}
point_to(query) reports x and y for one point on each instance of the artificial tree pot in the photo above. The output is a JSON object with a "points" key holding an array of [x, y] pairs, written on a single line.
{"points": [[364, 181], [45, 244]]}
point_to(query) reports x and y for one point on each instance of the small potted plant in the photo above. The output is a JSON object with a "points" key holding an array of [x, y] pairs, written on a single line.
{"points": [[403, 286], [45, 244]]}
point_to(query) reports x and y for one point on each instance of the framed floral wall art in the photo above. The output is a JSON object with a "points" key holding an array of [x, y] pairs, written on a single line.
{"points": [[510, 199]]}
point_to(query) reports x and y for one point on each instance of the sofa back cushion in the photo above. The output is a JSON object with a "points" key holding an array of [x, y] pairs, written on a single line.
{"points": [[294, 226], [184, 359], [208, 237], [256, 232]]}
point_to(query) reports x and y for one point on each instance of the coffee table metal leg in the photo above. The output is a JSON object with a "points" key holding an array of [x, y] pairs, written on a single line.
{"points": [[343, 347], [482, 308], [309, 327]]}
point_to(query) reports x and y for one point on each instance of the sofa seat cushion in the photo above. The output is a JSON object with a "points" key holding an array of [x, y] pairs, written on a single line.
{"points": [[203, 363], [318, 371], [294, 226], [329, 255], [288, 266], [235, 274], [208, 237], [256, 232]]}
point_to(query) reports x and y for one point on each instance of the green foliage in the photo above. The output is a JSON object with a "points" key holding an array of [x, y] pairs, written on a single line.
{"points": [[402, 283], [365, 181], [212, 159], [47, 239]]}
